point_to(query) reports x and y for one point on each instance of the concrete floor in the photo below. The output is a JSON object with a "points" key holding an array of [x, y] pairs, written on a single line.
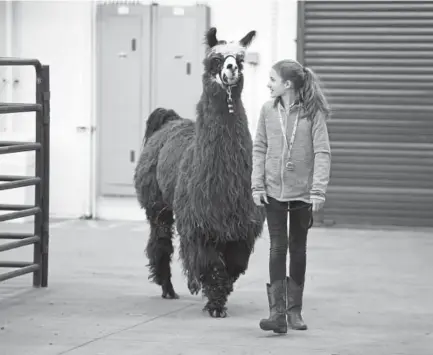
{"points": [[367, 292]]}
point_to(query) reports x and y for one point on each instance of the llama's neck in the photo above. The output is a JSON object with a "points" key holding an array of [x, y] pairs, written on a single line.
{"points": [[221, 136], [223, 152], [215, 122]]}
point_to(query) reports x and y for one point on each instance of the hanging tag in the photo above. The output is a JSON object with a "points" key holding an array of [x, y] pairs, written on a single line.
{"points": [[290, 166]]}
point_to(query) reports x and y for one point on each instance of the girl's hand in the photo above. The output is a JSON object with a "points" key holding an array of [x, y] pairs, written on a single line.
{"points": [[317, 204], [259, 198]]}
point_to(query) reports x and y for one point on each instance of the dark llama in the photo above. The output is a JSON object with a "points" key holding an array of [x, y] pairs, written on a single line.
{"points": [[198, 176]]}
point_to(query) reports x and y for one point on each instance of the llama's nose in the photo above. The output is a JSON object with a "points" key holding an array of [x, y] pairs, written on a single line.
{"points": [[231, 67]]}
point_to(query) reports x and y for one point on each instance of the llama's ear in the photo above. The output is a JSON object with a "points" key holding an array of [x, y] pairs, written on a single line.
{"points": [[211, 39], [246, 41]]}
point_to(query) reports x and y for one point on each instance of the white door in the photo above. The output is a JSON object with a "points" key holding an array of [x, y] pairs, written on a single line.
{"points": [[178, 55], [123, 43]]}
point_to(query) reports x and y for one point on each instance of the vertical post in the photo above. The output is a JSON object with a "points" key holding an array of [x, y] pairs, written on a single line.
{"points": [[39, 163], [45, 236], [300, 37]]}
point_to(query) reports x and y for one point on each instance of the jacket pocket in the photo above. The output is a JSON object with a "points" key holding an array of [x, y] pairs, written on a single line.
{"points": [[272, 171]]}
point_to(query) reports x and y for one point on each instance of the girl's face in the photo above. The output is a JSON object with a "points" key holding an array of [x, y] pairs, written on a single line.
{"points": [[276, 85]]}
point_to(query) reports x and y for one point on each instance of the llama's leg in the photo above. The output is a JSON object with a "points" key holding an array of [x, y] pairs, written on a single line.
{"points": [[229, 262], [217, 285], [159, 249], [194, 284], [236, 256], [188, 251], [205, 268]]}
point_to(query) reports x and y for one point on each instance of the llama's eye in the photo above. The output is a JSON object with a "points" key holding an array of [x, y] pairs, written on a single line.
{"points": [[216, 62]]}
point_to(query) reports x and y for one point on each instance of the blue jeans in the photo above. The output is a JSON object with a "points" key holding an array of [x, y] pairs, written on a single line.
{"points": [[296, 242]]}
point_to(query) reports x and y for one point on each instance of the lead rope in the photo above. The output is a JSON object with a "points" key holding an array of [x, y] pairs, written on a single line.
{"points": [[230, 100]]}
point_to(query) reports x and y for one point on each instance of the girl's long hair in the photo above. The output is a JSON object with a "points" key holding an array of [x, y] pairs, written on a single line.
{"points": [[313, 96]]}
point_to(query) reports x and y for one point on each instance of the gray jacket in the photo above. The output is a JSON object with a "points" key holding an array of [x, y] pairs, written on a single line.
{"points": [[311, 155]]}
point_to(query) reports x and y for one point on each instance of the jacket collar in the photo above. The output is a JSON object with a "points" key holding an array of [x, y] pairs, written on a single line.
{"points": [[295, 105]]}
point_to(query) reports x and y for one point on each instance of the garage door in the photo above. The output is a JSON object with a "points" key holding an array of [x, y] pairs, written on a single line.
{"points": [[375, 60]]}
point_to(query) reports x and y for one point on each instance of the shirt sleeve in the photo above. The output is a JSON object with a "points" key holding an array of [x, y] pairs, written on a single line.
{"points": [[322, 157], [260, 147]]}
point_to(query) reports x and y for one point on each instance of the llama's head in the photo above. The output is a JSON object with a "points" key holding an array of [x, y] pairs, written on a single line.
{"points": [[224, 60]]}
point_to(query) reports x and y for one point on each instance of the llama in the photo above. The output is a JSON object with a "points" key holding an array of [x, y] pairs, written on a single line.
{"points": [[197, 176]]}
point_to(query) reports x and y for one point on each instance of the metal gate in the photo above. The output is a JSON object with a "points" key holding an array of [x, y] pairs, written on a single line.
{"points": [[375, 60], [40, 209]]}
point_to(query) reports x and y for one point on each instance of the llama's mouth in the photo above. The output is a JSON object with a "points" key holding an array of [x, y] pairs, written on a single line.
{"points": [[229, 80]]}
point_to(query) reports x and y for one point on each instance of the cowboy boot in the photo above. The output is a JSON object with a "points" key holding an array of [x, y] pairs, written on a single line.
{"points": [[277, 321], [294, 305]]}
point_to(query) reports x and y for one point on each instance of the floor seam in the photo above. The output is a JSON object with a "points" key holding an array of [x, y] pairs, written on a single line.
{"points": [[124, 329]]}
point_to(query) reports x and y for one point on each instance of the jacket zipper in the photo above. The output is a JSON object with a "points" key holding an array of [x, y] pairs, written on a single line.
{"points": [[282, 165], [282, 155]]}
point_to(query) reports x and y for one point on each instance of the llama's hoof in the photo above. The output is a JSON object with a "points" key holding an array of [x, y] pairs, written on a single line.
{"points": [[194, 287], [168, 291], [169, 295], [220, 312]]}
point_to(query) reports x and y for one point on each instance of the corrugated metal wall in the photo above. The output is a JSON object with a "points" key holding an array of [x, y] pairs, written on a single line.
{"points": [[375, 60]]}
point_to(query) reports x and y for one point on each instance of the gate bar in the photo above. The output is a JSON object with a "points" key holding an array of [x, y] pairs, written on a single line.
{"points": [[7, 61], [15, 264], [15, 236], [7, 143], [21, 271], [18, 108], [13, 177], [20, 214], [19, 243], [20, 183], [7, 207], [20, 147]]}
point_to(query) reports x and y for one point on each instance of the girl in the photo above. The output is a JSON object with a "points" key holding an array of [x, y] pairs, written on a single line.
{"points": [[291, 169]]}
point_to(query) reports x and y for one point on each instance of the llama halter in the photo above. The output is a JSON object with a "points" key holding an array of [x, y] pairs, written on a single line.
{"points": [[229, 99], [228, 87]]}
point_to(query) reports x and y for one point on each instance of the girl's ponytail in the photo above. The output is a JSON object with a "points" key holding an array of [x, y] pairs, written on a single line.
{"points": [[312, 95]]}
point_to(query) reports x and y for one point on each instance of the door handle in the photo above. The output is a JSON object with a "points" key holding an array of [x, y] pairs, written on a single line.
{"points": [[132, 156], [188, 68], [82, 129]]}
